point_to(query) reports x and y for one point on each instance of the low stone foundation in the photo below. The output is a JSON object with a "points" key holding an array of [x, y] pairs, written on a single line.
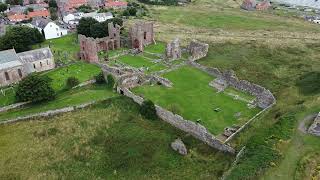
{"points": [[315, 127]]}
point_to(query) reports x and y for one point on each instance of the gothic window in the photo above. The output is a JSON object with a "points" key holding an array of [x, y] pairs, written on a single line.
{"points": [[145, 35]]}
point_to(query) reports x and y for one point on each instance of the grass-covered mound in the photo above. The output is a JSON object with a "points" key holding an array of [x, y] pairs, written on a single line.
{"points": [[110, 140]]}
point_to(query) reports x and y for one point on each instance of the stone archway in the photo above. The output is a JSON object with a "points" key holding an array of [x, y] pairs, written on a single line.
{"points": [[136, 44]]}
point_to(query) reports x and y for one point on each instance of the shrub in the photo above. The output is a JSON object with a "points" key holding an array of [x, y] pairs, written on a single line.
{"points": [[110, 80], [35, 88], [148, 110], [100, 78], [72, 82]]}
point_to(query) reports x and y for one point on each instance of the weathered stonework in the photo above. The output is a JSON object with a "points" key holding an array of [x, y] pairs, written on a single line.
{"points": [[173, 49], [198, 50], [141, 34], [315, 127], [89, 47], [264, 98], [179, 146]]}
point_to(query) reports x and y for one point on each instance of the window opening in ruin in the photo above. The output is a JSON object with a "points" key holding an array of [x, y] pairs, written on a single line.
{"points": [[19, 72], [40, 64], [7, 76], [34, 66], [145, 35]]}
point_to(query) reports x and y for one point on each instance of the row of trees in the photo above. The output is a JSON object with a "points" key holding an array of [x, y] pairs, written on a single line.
{"points": [[92, 28], [21, 38]]}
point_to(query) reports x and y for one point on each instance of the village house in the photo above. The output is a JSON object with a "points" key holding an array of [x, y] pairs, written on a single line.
{"points": [[15, 66], [18, 13], [115, 4], [70, 5], [264, 5], [48, 28], [73, 18]]}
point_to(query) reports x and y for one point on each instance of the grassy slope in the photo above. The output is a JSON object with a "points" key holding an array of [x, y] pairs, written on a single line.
{"points": [[108, 141], [64, 99], [197, 100], [82, 71]]}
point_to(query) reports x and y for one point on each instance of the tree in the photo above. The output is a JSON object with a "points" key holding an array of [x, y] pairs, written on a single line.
{"points": [[53, 4], [85, 25], [14, 2], [34, 88], [21, 38], [84, 9], [148, 110], [100, 78], [3, 7], [72, 82], [132, 11], [98, 30]]}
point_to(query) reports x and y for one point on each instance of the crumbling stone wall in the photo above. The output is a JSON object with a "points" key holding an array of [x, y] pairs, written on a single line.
{"points": [[264, 98], [89, 47], [315, 127], [197, 50], [141, 34], [196, 130], [173, 49]]}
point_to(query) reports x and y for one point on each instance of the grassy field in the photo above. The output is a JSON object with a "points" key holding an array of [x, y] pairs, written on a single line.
{"points": [[64, 48], [197, 100], [68, 98], [158, 48], [108, 141], [141, 62], [82, 71]]}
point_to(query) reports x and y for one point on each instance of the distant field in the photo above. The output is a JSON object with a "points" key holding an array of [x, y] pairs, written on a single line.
{"points": [[195, 99], [108, 141]]}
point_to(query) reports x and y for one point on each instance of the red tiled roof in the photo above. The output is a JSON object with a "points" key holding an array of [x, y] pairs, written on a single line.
{"points": [[112, 3], [40, 13], [18, 17]]}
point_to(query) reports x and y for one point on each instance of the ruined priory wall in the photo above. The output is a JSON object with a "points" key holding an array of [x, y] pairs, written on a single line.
{"points": [[196, 130], [264, 98]]}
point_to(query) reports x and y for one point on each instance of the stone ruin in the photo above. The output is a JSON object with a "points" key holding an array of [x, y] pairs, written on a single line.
{"points": [[173, 50], [141, 34], [179, 146], [89, 47], [314, 129], [197, 50]]}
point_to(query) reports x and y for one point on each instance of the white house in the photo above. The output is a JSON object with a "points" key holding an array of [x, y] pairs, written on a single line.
{"points": [[50, 29], [74, 18]]}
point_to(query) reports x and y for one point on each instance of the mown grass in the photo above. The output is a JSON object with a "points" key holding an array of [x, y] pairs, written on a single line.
{"points": [[141, 62], [107, 141], [197, 100], [64, 48], [158, 48], [68, 98]]}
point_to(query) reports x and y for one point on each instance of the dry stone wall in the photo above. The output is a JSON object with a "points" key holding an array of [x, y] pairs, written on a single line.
{"points": [[196, 130], [264, 98]]}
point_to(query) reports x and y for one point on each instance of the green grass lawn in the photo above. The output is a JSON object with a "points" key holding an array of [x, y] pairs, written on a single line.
{"points": [[139, 62], [81, 70], [197, 100], [107, 141], [158, 48], [64, 48], [68, 98]]}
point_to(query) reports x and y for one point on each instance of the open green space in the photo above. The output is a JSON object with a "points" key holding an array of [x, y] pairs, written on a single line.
{"points": [[195, 99], [68, 98], [64, 48], [157, 48], [110, 140], [141, 62]]}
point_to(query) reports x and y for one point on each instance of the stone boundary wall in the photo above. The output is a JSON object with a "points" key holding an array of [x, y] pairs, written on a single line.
{"points": [[235, 162], [47, 113], [264, 98], [196, 130], [13, 106], [247, 123], [92, 81]]}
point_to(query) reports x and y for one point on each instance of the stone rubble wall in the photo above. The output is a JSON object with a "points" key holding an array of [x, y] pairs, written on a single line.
{"points": [[264, 98], [47, 113], [196, 130], [198, 50], [12, 106], [314, 129]]}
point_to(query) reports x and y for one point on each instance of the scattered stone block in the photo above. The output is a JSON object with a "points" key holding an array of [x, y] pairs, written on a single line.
{"points": [[198, 50], [173, 50], [179, 146], [315, 127]]}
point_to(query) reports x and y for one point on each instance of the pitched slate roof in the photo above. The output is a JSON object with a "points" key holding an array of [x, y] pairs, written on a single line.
{"points": [[9, 59], [35, 55], [40, 22]]}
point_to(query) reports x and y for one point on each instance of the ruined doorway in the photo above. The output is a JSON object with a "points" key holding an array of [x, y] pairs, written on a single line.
{"points": [[136, 44]]}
